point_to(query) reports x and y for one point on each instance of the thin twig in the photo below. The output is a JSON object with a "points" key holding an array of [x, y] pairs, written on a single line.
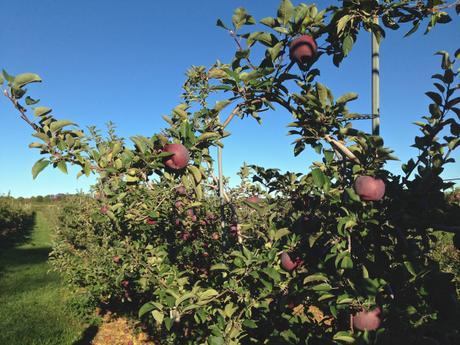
{"points": [[345, 150], [21, 110]]}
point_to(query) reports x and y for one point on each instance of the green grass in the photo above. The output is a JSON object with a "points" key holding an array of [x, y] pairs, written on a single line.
{"points": [[32, 299]]}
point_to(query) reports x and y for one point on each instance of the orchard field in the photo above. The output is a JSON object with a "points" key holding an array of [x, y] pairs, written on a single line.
{"points": [[163, 250]]}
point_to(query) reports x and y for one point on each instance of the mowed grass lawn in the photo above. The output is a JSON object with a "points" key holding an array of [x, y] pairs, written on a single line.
{"points": [[32, 299]]}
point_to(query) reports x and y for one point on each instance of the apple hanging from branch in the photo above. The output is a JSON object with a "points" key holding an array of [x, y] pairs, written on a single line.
{"points": [[180, 157]]}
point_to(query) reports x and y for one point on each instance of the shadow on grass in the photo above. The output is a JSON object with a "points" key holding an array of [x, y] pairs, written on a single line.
{"points": [[87, 336]]}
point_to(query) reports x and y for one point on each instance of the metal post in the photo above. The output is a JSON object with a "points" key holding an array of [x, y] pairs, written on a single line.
{"points": [[375, 83], [221, 185]]}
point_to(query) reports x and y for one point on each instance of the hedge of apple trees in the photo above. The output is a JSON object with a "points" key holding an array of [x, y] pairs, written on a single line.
{"points": [[15, 217], [336, 255]]}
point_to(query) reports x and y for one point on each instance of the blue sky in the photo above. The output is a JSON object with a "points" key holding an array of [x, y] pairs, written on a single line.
{"points": [[125, 61]]}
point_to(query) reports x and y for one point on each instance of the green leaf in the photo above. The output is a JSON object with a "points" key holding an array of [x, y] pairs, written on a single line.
{"points": [[195, 172], [222, 104], [410, 268], [31, 101], [9, 78], [322, 93], [347, 45], [158, 316], [184, 298], [179, 111], [57, 125], [281, 233], [352, 194], [145, 309], [42, 111], [269, 21], [318, 177], [435, 97], [315, 278], [285, 11], [241, 17], [342, 22], [219, 267], [221, 24], [39, 166], [62, 166], [168, 323], [416, 24], [208, 294], [213, 340], [26, 78], [350, 96], [262, 37], [344, 336], [322, 287]]}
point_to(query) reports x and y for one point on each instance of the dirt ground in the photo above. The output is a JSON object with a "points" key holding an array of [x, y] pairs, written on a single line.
{"points": [[118, 331]]}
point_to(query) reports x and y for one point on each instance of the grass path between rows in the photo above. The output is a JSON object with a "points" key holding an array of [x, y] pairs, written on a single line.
{"points": [[32, 299]]}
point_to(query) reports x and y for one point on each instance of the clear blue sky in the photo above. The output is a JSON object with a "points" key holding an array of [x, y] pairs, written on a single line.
{"points": [[125, 61]]}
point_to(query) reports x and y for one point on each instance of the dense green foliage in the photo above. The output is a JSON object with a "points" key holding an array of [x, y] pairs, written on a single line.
{"points": [[15, 217], [151, 238]]}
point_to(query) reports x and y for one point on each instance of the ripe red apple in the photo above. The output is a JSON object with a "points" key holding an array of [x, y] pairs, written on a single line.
{"points": [[178, 204], [185, 235], [303, 49], [151, 221], [370, 188], [116, 259], [215, 236], [125, 284], [104, 209], [181, 190], [367, 320], [180, 156], [253, 199], [234, 229], [190, 212], [287, 263]]}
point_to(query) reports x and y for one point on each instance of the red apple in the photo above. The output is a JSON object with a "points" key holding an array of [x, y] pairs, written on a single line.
{"points": [[253, 199], [104, 209], [303, 49], [151, 221], [287, 263], [180, 156], [215, 236], [185, 235], [367, 320], [178, 204], [125, 284], [116, 259], [190, 212], [181, 190], [370, 188], [234, 229]]}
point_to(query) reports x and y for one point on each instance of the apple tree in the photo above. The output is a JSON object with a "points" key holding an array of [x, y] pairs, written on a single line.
{"points": [[337, 255]]}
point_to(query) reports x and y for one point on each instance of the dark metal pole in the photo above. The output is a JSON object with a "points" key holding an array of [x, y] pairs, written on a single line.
{"points": [[375, 83], [221, 185]]}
